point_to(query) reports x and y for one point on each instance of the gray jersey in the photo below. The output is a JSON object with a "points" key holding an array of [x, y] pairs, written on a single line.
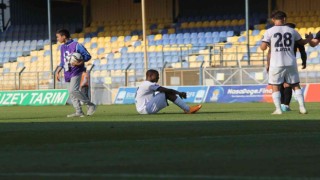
{"points": [[281, 40]]}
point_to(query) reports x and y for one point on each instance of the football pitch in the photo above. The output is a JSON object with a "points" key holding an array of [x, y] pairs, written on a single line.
{"points": [[222, 141]]}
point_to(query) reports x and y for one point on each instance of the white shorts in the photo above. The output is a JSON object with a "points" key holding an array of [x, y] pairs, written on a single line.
{"points": [[158, 102], [279, 75]]}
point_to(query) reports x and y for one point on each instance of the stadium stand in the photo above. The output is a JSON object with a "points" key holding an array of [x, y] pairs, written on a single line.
{"points": [[218, 41]]}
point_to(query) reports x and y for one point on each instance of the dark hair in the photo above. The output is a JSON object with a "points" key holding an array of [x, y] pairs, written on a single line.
{"points": [[151, 71], [292, 25], [279, 15], [63, 32]]}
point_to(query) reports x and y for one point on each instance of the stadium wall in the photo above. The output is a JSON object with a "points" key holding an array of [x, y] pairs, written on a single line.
{"points": [[112, 10], [298, 5], [189, 8]]}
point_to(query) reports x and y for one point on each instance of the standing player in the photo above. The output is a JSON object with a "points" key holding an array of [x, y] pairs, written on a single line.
{"points": [[283, 64], [73, 72], [285, 89], [147, 102]]}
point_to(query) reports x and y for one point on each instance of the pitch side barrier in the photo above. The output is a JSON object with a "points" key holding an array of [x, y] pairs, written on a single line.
{"points": [[223, 94], [34, 97]]}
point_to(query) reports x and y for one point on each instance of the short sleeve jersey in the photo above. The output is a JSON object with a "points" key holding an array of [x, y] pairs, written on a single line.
{"points": [[281, 40]]}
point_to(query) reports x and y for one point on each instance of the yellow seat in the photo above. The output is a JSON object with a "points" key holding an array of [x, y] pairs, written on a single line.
{"points": [[171, 31], [219, 23], [184, 25], [199, 24], [213, 23], [120, 39], [227, 23], [81, 40], [158, 37], [94, 40]]}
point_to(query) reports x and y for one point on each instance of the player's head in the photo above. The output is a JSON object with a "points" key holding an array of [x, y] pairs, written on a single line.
{"points": [[279, 17], [152, 75], [62, 35], [292, 25]]}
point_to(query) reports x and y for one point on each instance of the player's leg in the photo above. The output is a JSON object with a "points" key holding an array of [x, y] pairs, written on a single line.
{"points": [[180, 103], [288, 96], [157, 103], [286, 93], [293, 79], [74, 86], [282, 97], [276, 79], [82, 97], [85, 91]]}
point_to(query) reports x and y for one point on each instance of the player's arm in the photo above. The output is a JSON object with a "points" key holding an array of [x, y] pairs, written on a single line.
{"points": [[309, 38], [303, 53], [268, 59], [84, 53], [60, 67], [264, 46], [182, 95], [58, 72]]}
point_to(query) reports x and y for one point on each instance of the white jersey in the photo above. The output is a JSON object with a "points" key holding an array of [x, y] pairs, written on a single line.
{"points": [[145, 93], [282, 40]]}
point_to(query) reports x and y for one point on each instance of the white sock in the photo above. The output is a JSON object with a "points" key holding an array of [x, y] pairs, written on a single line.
{"points": [[181, 104], [299, 97], [276, 96]]}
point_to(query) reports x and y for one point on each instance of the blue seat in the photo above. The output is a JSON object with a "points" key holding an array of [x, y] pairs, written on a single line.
{"points": [[179, 36], [150, 38], [165, 42], [159, 42], [230, 33], [172, 36], [186, 35], [200, 34], [100, 51], [209, 40], [127, 38], [208, 34], [180, 41], [172, 41], [113, 38], [186, 41], [87, 39], [94, 45], [165, 36]]}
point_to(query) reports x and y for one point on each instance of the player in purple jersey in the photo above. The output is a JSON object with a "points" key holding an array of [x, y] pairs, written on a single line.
{"points": [[73, 72]]}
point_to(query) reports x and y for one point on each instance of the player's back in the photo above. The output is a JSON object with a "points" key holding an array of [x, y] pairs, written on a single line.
{"points": [[282, 40], [144, 93]]}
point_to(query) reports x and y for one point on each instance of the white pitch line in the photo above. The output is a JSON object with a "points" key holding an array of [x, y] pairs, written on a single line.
{"points": [[156, 176]]}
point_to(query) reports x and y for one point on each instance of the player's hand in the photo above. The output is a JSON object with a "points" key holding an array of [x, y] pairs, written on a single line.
{"points": [[77, 63], [57, 77], [182, 95], [303, 66]]}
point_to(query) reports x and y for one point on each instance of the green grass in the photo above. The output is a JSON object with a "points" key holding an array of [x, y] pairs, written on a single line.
{"points": [[222, 141]]}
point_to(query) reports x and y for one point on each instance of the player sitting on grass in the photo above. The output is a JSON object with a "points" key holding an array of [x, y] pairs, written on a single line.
{"points": [[147, 102]]}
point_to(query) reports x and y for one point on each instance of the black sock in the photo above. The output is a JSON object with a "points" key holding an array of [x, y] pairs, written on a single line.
{"points": [[282, 94]]}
